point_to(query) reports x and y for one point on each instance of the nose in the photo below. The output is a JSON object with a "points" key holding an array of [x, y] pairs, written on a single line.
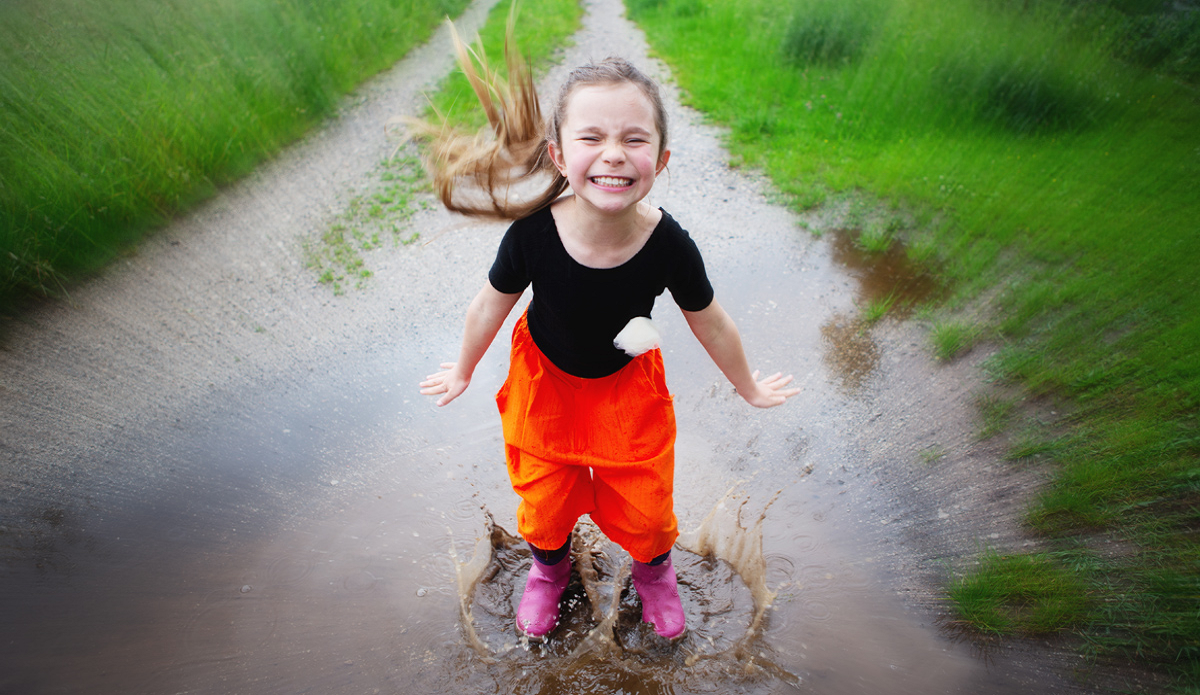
{"points": [[614, 153]]}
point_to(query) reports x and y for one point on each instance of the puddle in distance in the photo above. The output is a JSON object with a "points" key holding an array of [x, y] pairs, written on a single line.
{"points": [[883, 275], [851, 352]]}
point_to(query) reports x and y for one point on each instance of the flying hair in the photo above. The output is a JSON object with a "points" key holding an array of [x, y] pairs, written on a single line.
{"points": [[504, 171]]}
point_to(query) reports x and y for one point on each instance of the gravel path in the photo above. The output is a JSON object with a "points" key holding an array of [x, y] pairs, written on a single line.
{"points": [[214, 322]]}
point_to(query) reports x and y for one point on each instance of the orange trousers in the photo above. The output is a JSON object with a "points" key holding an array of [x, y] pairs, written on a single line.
{"points": [[603, 447]]}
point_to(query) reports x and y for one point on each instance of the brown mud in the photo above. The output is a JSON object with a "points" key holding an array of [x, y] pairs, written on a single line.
{"points": [[216, 475]]}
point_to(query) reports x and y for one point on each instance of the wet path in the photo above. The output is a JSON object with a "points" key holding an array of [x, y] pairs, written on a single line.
{"points": [[220, 478]]}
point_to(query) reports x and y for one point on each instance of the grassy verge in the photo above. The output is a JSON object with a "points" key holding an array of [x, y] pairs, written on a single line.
{"points": [[400, 187], [1045, 169], [115, 115], [378, 214]]}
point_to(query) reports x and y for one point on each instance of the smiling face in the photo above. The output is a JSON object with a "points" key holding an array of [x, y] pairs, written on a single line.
{"points": [[608, 147]]}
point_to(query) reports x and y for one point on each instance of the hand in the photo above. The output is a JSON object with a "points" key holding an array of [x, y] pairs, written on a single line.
{"points": [[447, 382], [770, 391]]}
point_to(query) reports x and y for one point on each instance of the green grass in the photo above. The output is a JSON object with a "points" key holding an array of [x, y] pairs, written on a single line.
{"points": [[996, 414], [380, 213], [876, 309], [1020, 594], [931, 454], [1048, 171], [877, 236], [952, 338], [828, 32], [1033, 443], [117, 115]]}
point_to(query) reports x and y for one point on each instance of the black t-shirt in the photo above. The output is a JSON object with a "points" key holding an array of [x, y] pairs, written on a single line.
{"points": [[576, 310]]}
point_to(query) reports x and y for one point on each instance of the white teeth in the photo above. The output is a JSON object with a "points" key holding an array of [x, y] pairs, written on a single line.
{"points": [[613, 181]]}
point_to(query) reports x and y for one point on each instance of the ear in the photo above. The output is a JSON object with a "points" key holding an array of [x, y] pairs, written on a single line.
{"points": [[662, 162], [556, 156]]}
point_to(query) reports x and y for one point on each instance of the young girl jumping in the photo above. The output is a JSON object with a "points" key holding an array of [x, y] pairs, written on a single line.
{"points": [[588, 428]]}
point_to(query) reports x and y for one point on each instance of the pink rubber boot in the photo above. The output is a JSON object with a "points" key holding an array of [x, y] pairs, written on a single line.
{"points": [[537, 614], [657, 587]]}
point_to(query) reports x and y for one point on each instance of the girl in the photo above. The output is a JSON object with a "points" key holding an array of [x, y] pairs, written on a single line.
{"points": [[588, 428]]}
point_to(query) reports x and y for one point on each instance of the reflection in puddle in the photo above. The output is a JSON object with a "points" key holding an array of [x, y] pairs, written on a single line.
{"points": [[883, 275], [887, 278]]}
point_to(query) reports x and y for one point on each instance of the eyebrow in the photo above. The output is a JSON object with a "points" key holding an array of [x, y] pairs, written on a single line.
{"points": [[636, 130]]}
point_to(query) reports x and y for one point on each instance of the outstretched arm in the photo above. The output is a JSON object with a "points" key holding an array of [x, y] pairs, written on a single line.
{"points": [[717, 333], [485, 315]]}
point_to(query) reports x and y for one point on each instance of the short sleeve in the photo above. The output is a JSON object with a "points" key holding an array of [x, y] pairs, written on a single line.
{"points": [[689, 283], [510, 273]]}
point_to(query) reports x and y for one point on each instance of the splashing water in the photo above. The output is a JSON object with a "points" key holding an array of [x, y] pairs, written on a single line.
{"points": [[722, 577], [740, 547]]}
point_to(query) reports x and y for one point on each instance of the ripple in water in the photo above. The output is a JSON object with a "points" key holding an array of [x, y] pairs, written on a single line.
{"points": [[360, 582], [601, 645], [288, 569]]}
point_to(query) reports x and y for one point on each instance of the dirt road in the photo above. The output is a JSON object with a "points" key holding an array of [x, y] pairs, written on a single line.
{"points": [[217, 476]]}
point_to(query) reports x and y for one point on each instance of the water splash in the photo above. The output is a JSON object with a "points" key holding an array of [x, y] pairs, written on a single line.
{"points": [[741, 547], [470, 573], [601, 630]]}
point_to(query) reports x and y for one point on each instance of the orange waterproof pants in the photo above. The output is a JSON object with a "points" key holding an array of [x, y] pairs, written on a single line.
{"points": [[604, 447]]}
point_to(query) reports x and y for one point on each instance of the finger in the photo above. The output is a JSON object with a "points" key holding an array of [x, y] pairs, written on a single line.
{"points": [[773, 378], [784, 395], [445, 367]]}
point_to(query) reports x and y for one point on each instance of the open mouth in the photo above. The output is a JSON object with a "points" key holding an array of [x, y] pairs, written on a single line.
{"points": [[612, 181]]}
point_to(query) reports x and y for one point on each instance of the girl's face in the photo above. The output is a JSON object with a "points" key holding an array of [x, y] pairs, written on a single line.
{"points": [[608, 146]]}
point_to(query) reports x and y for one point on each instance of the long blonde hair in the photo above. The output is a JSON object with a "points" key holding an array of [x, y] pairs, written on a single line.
{"points": [[476, 173]]}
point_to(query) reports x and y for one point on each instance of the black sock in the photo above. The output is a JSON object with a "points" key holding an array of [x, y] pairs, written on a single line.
{"points": [[660, 559], [550, 557]]}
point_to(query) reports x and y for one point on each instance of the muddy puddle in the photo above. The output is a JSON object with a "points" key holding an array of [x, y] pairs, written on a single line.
{"points": [[342, 535], [888, 275], [888, 279]]}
